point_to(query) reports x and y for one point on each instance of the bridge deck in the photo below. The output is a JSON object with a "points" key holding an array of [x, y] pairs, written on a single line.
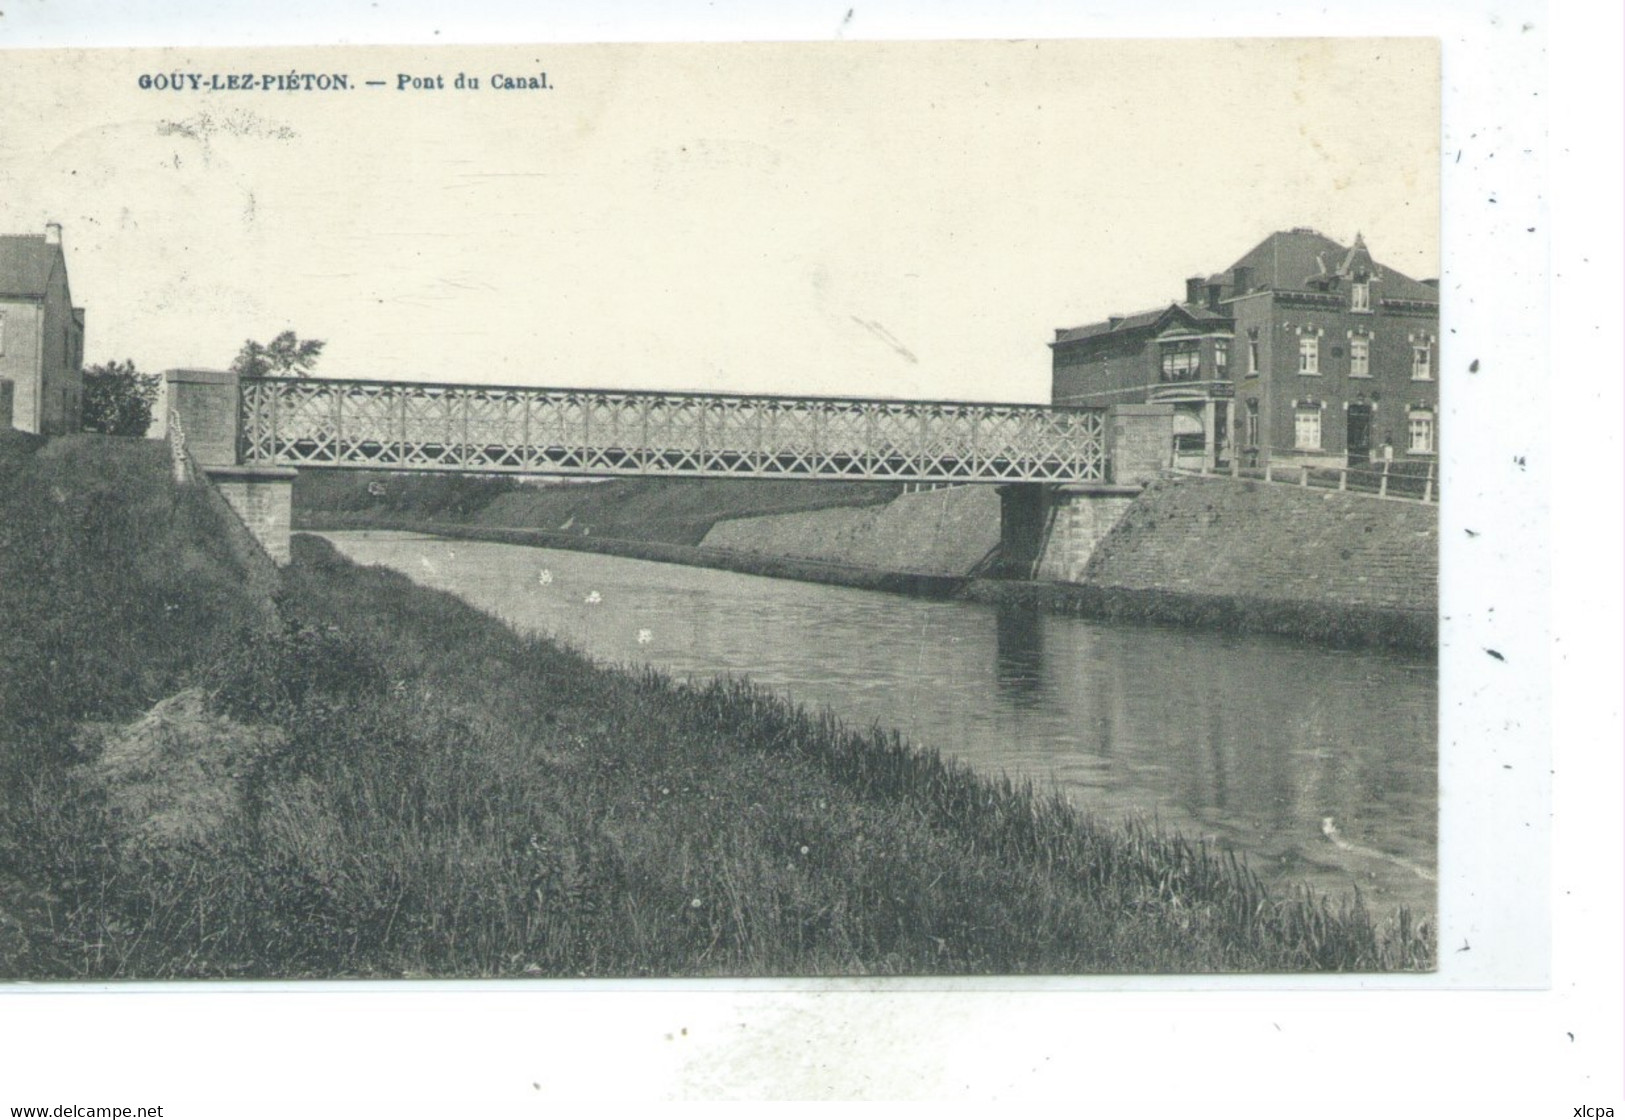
{"points": [[390, 425]]}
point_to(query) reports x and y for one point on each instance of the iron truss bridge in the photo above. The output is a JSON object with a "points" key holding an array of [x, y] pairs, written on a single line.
{"points": [[390, 425]]}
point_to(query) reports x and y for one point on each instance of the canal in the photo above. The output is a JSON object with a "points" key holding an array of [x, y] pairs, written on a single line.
{"points": [[1317, 765]]}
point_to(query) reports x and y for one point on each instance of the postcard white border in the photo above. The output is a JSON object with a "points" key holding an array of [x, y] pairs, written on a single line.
{"points": [[512, 1051]]}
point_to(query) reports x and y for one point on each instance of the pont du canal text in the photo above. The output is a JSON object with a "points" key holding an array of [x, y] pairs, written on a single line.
{"points": [[185, 81]]}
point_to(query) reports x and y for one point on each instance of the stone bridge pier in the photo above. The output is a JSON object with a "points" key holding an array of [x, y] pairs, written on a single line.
{"points": [[1049, 531], [204, 410]]}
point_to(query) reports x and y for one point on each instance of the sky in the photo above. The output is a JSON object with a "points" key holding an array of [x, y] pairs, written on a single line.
{"points": [[885, 219]]}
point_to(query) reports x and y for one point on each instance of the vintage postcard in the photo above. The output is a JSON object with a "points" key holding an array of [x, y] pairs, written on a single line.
{"points": [[745, 512]]}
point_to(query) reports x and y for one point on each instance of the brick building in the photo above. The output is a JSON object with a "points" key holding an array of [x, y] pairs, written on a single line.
{"points": [[42, 335], [1303, 351]]}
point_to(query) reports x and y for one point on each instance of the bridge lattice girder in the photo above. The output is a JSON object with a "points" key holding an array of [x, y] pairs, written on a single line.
{"points": [[446, 427]]}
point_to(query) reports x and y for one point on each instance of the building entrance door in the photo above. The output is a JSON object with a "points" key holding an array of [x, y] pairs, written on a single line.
{"points": [[1359, 434]]}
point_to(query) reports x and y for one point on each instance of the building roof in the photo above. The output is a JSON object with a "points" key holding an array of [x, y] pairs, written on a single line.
{"points": [[1140, 320], [26, 264], [1296, 260]]}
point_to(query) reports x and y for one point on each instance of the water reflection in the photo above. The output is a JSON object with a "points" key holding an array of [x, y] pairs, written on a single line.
{"points": [[1018, 668]]}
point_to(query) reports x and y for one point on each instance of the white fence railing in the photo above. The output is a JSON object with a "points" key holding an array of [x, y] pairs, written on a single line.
{"points": [[1401, 480]]}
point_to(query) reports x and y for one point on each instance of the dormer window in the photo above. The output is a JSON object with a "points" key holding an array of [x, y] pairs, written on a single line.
{"points": [[1360, 295]]}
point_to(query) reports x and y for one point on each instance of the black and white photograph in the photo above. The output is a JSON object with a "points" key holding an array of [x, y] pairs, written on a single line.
{"points": [[908, 515], [727, 511]]}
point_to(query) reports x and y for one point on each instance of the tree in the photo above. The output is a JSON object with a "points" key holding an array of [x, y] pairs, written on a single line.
{"points": [[284, 356], [117, 399]]}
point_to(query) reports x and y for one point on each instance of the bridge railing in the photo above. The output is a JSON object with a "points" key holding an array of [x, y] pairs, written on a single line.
{"points": [[437, 427]]}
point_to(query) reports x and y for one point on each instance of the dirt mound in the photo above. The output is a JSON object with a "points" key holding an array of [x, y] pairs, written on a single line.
{"points": [[171, 776]]}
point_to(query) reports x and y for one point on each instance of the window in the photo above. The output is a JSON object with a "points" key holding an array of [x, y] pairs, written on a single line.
{"points": [[1421, 429], [1252, 423], [1182, 362], [1422, 362], [1221, 359], [1360, 296], [1359, 356], [2, 332], [1306, 429], [1309, 354], [1252, 357]]}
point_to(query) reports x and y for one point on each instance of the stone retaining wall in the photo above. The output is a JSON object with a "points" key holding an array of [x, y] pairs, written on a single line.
{"points": [[1218, 536], [937, 532]]}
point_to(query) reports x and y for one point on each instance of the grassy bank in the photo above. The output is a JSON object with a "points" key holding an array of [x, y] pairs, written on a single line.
{"points": [[390, 783]]}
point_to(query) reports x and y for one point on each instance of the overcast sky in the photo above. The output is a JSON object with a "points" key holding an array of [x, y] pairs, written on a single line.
{"points": [[887, 219]]}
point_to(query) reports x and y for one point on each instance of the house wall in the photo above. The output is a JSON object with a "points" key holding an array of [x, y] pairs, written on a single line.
{"points": [[60, 375], [1104, 371], [41, 347], [20, 359], [1278, 320]]}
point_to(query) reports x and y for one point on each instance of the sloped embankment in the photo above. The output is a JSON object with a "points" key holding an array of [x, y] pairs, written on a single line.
{"points": [[1344, 570], [1274, 543], [939, 532], [658, 510]]}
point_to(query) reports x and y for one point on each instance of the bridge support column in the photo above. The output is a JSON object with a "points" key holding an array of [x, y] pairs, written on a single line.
{"points": [[1023, 511], [1050, 532], [262, 498], [208, 405], [1139, 442], [205, 405]]}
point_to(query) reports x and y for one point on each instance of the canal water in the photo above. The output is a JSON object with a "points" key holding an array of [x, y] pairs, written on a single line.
{"points": [[1318, 766]]}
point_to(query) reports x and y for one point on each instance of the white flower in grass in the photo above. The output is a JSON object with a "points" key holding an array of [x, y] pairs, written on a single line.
{"points": [[545, 578], [594, 597], [805, 849], [696, 904], [645, 637]]}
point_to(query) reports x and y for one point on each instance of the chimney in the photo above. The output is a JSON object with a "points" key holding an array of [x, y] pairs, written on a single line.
{"points": [[1241, 280], [1195, 287], [53, 233]]}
